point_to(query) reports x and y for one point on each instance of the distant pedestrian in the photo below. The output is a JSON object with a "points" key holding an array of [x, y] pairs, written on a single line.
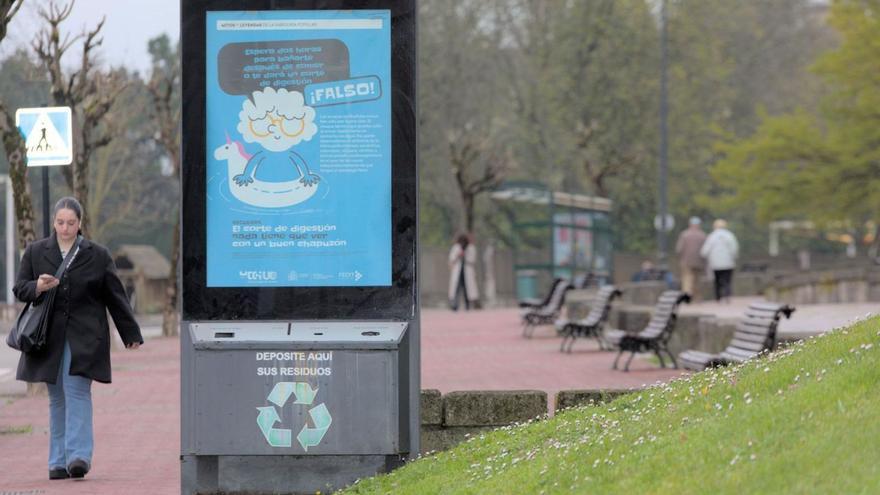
{"points": [[690, 241], [462, 273], [78, 339], [646, 273], [721, 251]]}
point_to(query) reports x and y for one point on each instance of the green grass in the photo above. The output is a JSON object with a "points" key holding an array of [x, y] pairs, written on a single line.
{"points": [[803, 420]]}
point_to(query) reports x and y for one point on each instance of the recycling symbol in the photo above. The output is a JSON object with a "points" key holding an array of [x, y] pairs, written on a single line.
{"points": [[280, 437]]}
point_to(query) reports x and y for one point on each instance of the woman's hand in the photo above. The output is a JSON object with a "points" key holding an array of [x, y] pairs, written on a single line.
{"points": [[133, 345], [46, 282]]}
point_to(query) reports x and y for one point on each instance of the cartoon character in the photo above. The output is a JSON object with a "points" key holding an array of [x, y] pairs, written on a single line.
{"points": [[277, 120], [267, 194]]}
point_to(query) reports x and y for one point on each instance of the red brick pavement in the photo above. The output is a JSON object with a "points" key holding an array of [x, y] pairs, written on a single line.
{"points": [[137, 431], [485, 350], [137, 416]]}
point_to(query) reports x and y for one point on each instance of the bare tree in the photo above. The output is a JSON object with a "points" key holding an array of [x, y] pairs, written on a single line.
{"points": [[164, 87], [602, 165], [88, 92], [478, 166], [16, 151]]}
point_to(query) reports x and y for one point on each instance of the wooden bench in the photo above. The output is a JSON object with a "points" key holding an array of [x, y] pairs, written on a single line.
{"points": [[755, 333], [547, 313], [593, 324], [655, 336], [535, 303]]}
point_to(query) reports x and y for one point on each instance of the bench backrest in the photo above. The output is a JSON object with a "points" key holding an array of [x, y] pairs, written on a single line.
{"points": [[665, 315], [556, 283], [583, 280], [756, 331], [601, 306], [557, 297]]}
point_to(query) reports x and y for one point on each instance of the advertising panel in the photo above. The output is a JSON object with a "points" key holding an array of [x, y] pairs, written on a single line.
{"points": [[298, 148]]}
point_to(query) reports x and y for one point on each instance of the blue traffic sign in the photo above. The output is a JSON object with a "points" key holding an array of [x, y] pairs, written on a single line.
{"points": [[48, 135]]}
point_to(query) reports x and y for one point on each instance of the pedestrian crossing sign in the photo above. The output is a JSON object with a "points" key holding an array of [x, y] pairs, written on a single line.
{"points": [[48, 135]]}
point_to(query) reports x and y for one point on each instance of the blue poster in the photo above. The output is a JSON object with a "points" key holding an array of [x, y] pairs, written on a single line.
{"points": [[298, 148]]}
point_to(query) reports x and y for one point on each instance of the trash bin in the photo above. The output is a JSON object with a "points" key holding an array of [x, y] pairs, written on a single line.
{"points": [[526, 284], [259, 395]]}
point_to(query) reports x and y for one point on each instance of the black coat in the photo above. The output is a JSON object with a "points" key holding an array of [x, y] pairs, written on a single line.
{"points": [[87, 290]]}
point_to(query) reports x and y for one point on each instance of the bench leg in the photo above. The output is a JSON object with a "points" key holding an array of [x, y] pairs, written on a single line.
{"points": [[674, 362], [614, 366], [565, 338], [660, 357], [631, 356]]}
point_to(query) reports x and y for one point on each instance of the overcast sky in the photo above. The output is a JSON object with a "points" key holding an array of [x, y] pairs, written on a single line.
{"points": [[130, 24]]}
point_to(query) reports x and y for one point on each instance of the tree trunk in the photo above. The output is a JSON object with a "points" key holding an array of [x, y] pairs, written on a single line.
{"points": [[170, 315], [81, 191], [16, 153], [468, 204]]}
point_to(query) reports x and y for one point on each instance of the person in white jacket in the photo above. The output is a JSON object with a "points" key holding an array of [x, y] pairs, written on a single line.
{"points": [[463, 274], [721, 250]]}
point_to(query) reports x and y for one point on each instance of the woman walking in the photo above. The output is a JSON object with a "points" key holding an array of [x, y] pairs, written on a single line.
{"points": [[78, 339], [462, 274], [721, 251]]}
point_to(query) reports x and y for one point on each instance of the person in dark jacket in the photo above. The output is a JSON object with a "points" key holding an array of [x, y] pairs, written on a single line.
{"points": [[78, 340]]}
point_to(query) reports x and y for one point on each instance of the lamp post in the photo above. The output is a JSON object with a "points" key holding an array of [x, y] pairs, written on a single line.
{"points": [[664, 145]]}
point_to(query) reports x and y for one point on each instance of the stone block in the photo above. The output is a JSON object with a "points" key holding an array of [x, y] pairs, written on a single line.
{"points": [[629, 318], [436, 438], [642, 293], [573, 398], [431, 405], [715, 334], [492, 408], [686, 334], [578, 303]]}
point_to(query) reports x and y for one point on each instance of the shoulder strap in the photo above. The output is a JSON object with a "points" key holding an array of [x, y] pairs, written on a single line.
{"points": [[69, 258]]}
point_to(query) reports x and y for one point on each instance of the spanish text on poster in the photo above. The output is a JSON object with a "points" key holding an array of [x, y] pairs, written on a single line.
{"points": [[298, 140]]}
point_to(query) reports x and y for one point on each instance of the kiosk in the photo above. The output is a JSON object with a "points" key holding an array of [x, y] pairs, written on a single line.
{"points": [[300, 324]]}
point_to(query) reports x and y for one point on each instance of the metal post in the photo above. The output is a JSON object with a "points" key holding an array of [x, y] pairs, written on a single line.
{"points": [[664, 151], [46, 220]]}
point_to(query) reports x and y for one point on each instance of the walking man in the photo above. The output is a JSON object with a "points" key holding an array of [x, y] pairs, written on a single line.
{"points": [[690, 241]]}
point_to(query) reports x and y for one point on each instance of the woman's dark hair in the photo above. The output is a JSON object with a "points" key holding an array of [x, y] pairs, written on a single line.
{"points": [[463, 240], [69, 203]]}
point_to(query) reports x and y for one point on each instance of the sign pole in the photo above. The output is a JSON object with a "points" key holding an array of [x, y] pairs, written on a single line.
{"points": [[46, 220], [45, 188]]}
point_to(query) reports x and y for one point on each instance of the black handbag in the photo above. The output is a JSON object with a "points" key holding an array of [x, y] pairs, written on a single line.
{"points": [[28, 335]]}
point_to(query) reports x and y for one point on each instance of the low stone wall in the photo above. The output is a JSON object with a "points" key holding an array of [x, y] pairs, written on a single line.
{"points": [[858, 285], [566, 399], [692, 331], [448, 420], [647, 293]]}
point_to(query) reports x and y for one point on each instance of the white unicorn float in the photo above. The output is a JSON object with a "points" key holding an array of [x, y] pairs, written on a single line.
{"points": [[258, 192]]}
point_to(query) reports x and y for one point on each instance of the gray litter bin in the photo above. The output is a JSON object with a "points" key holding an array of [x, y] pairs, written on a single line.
{"points": [[290, 389]]}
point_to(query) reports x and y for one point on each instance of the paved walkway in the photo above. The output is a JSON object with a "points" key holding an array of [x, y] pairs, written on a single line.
{"points": [[137, 416], [808, 319]]}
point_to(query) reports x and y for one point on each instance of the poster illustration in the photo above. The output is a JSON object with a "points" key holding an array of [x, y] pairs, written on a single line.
{"points": [[298, 138]]}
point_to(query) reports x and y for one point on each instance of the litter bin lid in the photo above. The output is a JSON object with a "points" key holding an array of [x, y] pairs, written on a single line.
{"points": [[303, 334]]}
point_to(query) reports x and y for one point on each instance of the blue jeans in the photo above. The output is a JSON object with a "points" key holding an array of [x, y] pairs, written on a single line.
{"points": [[70, 417]]}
